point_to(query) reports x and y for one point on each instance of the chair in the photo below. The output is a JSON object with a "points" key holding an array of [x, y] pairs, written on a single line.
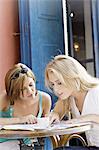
{"points": [[64, 143], [65, 139]]}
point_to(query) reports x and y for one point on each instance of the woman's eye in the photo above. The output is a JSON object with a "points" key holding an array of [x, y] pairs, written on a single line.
{"points": [[59, 83], [52, 85], [31, 85]]}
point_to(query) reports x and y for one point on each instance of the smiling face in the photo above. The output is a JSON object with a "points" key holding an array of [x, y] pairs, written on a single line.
{"points": [[58, 86], [29, 90]]}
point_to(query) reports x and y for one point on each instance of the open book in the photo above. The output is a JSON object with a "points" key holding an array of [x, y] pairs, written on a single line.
{"points": [[43, 123]]}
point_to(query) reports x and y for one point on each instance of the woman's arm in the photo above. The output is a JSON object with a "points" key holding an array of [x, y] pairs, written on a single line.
{"points": [[60, 109], [30, 119], [85, 118], [6, 121]]}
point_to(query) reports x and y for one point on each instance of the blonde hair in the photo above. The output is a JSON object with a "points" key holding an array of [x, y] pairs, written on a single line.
{"points": [[14, 80], [71, 72]]}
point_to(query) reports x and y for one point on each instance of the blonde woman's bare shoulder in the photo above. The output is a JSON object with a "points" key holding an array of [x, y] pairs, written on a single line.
{"points": [[3, 100]]}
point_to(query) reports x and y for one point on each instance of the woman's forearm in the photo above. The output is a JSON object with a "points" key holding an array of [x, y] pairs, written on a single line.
{"points": [[85, 118], [89, 117], [30, 119], [4, 121]]}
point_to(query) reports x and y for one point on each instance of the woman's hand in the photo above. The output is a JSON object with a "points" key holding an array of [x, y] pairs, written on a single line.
{"points": [[54, 117], [29, 119]]}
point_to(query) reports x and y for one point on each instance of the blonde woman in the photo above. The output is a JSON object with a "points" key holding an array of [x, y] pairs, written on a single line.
{"points": [[77, 92], [22, 102]]}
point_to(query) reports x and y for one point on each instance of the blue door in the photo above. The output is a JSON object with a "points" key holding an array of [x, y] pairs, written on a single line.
{"points": [[41, 28]]}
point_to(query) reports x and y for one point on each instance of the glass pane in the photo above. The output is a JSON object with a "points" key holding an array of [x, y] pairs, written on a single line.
{"points": [[79, 14]]}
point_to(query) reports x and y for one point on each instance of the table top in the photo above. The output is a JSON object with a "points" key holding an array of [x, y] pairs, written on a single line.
{"points": [[18, 134]]}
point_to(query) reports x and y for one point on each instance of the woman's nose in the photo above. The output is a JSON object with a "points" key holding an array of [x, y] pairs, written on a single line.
{"points": [[56, 89]]}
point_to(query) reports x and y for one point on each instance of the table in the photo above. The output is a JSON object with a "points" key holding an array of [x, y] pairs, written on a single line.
{"points": [[19, 134]]}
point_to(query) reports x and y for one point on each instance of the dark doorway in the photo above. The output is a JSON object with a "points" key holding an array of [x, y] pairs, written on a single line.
{"points": [[80, 31]]}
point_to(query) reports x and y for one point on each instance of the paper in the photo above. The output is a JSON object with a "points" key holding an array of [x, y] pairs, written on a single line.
{"points": [[42, 123], [63, 125], [1, 127], [19, 127]]}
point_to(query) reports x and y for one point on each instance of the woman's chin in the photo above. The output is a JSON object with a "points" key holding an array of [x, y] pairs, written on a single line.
{"points": [[64, 97]]}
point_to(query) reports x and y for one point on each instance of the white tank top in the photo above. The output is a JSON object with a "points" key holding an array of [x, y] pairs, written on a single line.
{"points": [[90, 106]]}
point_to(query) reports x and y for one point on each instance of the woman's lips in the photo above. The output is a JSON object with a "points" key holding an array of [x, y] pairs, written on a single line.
{"points": [[31, 95], [60, 95]]}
